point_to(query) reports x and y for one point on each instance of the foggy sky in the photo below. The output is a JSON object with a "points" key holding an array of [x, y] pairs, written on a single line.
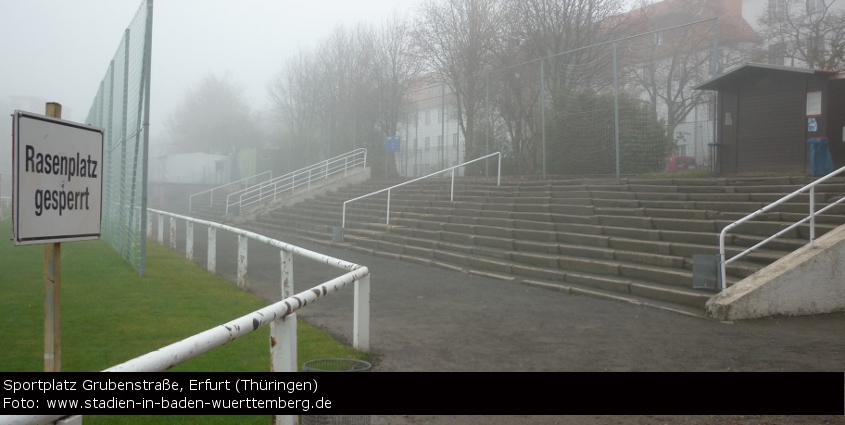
{"points": [[59, 50]]}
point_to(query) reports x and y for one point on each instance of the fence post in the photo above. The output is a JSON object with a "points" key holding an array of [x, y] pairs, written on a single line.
{"points": [[149, 225], [172, 233], [242, 259], [283, 330], [212, 250], [287, 273], [542, 116], [361, 323], [283, 344], [161, 229], [616, 109], [189, 240], [487, 133]]}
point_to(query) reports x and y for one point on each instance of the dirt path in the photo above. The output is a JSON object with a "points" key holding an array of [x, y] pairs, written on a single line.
{"points": [[430, 319]]}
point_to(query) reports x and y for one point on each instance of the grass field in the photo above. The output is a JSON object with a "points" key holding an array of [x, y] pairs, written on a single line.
{"points": [[110, 315]]}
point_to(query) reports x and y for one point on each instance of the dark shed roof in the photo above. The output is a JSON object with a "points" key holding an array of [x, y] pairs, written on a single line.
{"points": [[754, 70]]}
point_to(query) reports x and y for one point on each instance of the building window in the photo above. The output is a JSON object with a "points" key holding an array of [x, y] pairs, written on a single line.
{"points": [[815, 6], [777, 9], [427, 116], [777, 54], [427, 143], [815, 47]]}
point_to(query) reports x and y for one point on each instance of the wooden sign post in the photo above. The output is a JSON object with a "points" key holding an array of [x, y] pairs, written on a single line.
{"points": [[53, 290], [56, 193]]}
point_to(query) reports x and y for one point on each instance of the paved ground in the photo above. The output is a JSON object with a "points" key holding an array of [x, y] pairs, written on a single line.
{"points": [[430, 319]]}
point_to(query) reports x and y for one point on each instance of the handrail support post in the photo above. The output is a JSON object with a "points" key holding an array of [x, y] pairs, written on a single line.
{"points": [[388, 208], [812, 217], [452, 196]]}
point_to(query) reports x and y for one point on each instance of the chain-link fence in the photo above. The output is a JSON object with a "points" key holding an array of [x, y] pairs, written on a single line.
{"points": [[430, 130], [615, 108], [121, 107]]}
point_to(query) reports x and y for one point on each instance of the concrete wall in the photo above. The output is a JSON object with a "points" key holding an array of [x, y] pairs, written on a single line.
{"points": [[807, 281]]}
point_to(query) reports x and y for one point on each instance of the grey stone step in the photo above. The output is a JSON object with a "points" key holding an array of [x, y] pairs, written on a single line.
{"points": [[625, 281]]}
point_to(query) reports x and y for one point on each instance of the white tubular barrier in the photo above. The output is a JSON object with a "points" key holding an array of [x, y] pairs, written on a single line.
{"points": [[188, 348], [452, 197], [361, 320], [303, 177], [280, 316], [30, 419], [811, 218], [331, 261]]}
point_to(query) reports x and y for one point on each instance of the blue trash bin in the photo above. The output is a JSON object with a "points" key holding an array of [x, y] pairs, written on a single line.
{"points": [[821, 162]]}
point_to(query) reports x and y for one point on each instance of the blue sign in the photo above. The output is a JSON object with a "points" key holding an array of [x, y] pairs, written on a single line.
{"points": [[392, 144]]}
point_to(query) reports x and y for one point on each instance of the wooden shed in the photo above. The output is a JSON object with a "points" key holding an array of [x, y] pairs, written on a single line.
{"points": [[766, 114]]}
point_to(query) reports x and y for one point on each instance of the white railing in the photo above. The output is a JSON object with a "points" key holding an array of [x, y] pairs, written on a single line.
{"points": [[811, 218], [301, 178], [451, 198], [281, 316], [211, 191], [360, 339]]}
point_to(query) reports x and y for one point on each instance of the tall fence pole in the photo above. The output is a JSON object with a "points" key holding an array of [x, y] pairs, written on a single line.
{"points": [[416, 139], [616, 108], [542, 111], [714, 66], [443, 126], [487, 135], [122, 212]]}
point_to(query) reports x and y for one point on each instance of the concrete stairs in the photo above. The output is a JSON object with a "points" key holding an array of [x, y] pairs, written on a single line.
{"points": [[628, 239], [213, 211]]}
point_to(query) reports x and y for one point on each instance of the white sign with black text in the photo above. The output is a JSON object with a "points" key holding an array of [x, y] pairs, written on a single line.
{"points": [[58, 180]]}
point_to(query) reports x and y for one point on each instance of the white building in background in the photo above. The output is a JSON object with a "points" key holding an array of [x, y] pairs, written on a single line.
{"points": [[190, 168], [431, 137], [739, 42], [752, 10]]}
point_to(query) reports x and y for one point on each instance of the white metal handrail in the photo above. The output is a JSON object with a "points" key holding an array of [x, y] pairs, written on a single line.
{"points": [[451, 198], [280, 316], [211, 202], [811, 218], [299, 178]]}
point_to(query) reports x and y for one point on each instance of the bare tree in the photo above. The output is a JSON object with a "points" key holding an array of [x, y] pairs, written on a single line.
{"points": [[798, 32], [213, 118], [292, 92], [540, 29], [395, 70], [457, 38], [665, 65]]}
